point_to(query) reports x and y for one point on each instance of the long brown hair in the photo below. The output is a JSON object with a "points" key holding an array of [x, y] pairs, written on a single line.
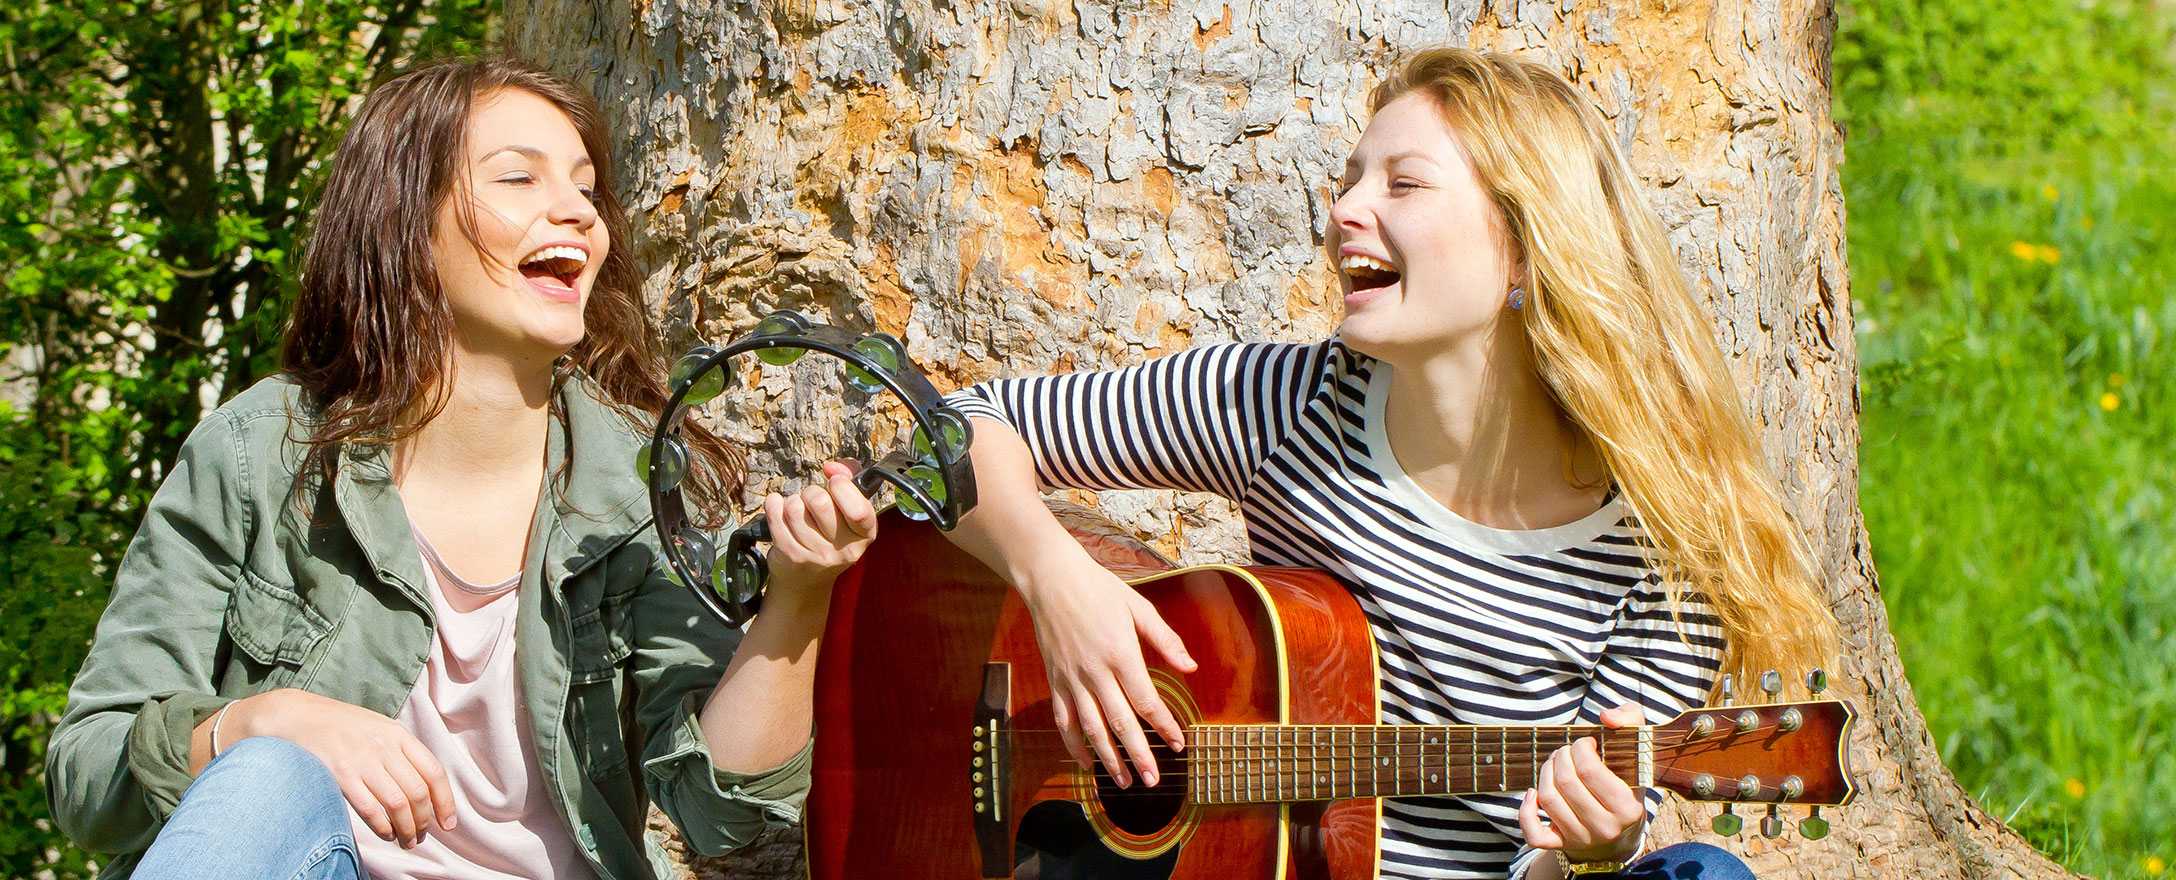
{"points": [[1629, 354], [370, 332]]}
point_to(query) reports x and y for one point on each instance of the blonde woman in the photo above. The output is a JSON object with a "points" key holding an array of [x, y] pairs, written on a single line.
{"points": [[1521, 451]]}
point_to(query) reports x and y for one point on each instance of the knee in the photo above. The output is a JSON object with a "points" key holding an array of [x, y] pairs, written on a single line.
{"points": [[255, 811], [1693, 861], [266, 771]]}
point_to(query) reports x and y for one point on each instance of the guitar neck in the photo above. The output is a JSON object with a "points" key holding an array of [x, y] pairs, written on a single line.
{"points": [[1278, 763]]}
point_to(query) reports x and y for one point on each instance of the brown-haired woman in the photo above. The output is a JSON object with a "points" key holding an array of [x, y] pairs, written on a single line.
{"points": [[387, 609]]}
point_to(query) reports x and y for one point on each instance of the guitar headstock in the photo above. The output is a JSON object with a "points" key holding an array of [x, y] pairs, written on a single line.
{"points": [[1767, 754]]}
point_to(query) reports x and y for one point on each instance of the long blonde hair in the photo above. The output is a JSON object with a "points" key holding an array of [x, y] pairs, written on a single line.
{"points": [[1630, 355]]}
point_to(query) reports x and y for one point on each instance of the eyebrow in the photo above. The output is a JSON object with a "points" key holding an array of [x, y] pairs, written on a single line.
{"points": [[1422, 155], [532, 153]]}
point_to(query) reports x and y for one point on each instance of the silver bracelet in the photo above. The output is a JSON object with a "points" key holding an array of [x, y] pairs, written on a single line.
{"points": [[217, 717]]}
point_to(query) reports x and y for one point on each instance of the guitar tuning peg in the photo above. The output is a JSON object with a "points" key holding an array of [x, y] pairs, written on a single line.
{"points": [[1728, 823], [1728, 681], [1771, 683], [1813, 827], [1771, 825], [1817, 681]]}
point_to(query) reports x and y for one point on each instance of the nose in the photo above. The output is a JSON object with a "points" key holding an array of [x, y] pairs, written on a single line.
{"points": [[572, 208], [1349, 212]]}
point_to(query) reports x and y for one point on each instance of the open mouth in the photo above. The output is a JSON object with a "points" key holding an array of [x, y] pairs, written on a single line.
{"points": [[560, 264], [1367, 273]]}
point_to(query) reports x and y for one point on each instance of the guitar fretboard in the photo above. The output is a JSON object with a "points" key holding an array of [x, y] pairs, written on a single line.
{"points": [[1277, 763]]}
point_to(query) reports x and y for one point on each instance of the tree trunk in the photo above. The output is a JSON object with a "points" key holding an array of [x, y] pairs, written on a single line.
{"points": [[1032, 186]]}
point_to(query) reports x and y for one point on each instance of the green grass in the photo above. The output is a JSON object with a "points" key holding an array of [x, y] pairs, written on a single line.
{"points": [[2011, 186]]}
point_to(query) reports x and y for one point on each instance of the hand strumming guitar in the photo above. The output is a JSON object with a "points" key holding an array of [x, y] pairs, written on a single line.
{"points": [[1089, 623]]}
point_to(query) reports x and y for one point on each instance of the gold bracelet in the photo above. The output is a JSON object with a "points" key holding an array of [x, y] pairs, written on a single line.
{"points": [[1577, 869]]}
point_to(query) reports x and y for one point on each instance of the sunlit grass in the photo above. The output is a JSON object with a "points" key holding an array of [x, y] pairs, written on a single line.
{"points": [[2017, 336]]}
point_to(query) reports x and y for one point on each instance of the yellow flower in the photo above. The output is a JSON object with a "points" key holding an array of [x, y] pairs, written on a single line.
{"points": [[2110, 401], [2085, 222], [2115, 380], [2049, 192], [2075, 787], [2023, 250], [2155, 866], [2047, 253]]}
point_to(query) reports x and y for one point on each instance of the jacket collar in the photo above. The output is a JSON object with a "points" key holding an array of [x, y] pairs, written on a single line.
{"points": [[582, 519]]}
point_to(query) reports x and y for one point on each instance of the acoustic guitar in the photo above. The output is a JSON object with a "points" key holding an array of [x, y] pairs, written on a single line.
{"points": [[936, 755]]}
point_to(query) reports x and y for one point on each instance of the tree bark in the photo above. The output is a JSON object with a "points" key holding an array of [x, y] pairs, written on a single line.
{"points": [[1026, 187]]}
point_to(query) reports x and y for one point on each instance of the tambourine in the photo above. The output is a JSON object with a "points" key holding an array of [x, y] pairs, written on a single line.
{"points": [[930, 476]]}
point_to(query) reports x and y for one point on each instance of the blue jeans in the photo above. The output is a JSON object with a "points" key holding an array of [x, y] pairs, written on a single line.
{"points": [[1687, 861], [265, 809]]}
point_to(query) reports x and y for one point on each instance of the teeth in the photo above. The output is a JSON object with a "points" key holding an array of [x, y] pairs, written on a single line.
{"points": [[1361, 261], [558, 252]]}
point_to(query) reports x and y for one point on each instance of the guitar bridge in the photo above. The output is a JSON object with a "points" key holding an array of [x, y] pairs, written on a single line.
{"points": [[989, 771]]}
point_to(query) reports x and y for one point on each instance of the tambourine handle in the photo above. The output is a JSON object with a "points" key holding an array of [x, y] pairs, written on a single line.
{"points": [[741, 556]]}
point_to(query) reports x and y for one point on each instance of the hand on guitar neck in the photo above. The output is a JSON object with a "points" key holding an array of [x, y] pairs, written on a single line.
{"points": [[1100, 688], [1592, 814]]}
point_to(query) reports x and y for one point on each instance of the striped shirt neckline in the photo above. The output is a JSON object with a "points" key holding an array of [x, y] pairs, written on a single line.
{"points": [[1418, 502]]}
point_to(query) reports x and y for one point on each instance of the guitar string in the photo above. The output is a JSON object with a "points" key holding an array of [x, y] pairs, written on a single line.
{"points": [[1393, 788], [1382, 788], [1662, 739], [1621, 758], [1620, 755]]}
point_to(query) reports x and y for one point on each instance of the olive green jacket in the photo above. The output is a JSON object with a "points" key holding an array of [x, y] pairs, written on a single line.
{"points": [[230, 588]]}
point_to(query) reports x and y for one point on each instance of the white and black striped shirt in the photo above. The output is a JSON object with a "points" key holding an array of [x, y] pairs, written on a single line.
{"points": [[1475, 625]]}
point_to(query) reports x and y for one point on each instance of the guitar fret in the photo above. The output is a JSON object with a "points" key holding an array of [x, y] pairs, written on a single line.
{"points": [[1225, 770], [1204, 761], [1331, 773], [1352, 767], [1314, 762], [1205, 753], [1397, 745], [1375, 756], [1419, 762], [1434, 779], [1503, 769], [1403, 765], [1204, 788], [1290, 775], [1254, 774], [1473, 756]]}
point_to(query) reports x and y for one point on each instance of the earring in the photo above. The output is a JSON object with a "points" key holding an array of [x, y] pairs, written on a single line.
{"points": [[1517, 299]]}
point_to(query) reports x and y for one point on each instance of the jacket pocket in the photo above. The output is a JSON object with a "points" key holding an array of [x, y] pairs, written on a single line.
{"points": [[602, 640], [270, 624]]}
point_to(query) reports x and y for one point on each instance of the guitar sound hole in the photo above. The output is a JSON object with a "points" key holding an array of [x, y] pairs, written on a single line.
{"points": [[1146, 810]]}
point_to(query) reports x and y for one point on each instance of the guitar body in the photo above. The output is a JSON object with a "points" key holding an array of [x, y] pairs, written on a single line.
{"points": [[925, 645]]}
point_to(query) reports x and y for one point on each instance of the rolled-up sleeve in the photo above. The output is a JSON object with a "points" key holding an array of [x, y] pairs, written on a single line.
{"points": [[680, 654], [118, 761], [718, 810]]}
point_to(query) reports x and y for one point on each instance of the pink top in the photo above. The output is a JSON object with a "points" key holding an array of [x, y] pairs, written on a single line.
{"points": [[466, 709]]}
